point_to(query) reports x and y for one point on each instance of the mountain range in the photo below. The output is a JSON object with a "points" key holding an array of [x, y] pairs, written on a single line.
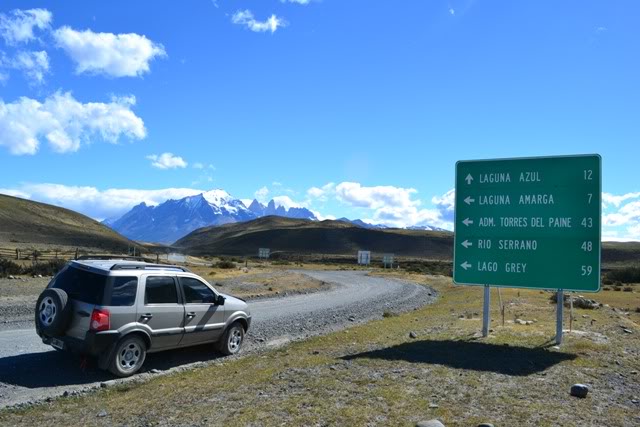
{"points": [[174, 219]]}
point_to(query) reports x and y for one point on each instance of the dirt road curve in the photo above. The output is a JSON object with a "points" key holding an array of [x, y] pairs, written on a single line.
{"points": [[31, 371]]}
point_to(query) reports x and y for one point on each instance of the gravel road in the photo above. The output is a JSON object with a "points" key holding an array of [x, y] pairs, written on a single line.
{"points": [[31, 371]]}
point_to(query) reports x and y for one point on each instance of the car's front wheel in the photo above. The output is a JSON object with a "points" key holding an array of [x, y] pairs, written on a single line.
{"points": [[232, 339], [129, 356]]}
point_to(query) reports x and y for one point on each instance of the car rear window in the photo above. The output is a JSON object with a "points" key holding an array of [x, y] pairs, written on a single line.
{"points": [[81, 285], [123, 291]]}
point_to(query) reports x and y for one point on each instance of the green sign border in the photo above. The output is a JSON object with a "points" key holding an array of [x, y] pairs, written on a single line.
{"points": [[455, 223]]}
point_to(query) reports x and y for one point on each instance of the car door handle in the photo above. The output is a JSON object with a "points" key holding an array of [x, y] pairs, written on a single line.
{"points": [[191, 314], [146, 316]]}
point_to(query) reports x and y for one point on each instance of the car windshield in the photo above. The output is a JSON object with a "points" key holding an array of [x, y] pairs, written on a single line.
{"points": [[81, 285]]}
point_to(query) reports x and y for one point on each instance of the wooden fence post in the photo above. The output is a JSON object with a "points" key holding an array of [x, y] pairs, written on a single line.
{"points": [[17, 253]]}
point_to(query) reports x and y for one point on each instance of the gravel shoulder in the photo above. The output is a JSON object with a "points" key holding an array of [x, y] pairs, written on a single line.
{"points": [[347, 298]]}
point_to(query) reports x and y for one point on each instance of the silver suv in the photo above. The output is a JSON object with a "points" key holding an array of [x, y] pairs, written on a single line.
{"points": [[119, 310]]}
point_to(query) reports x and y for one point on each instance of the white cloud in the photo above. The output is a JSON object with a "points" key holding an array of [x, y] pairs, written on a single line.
{"points": [[18, 25], [15, 193], [34, 65], [611, 199], [261, 194], [246, 202], [96, 203], [452, 11], [303, 2], [65, 123], [321, 193], [115, 55], [374, 197], [287, 203], [392, 206], [446, 204], [246, 18], [167, 161], [198, 165]]}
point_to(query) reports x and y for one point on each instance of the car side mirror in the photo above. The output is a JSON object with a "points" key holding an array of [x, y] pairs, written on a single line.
{"points": [[220, 300]]}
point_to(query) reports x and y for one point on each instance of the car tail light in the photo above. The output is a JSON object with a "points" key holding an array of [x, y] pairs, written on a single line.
{"points": [[100, 320]]}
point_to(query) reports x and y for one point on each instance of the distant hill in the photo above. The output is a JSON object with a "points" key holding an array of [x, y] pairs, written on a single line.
{"points": [[25, 221], [304, 236]]}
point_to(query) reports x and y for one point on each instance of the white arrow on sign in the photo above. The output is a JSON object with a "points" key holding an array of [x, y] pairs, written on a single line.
{"points": [[465, 265], [467, 221], [469, 200], [466, 244], [469, 178]]}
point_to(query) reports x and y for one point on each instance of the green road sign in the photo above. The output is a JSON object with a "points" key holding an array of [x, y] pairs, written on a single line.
{"points": [[530, 222]]}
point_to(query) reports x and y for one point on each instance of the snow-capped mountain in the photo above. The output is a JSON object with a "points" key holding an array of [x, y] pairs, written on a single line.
{"points": [[270, 209], [426, 227], [173, 219], [363, 224]]}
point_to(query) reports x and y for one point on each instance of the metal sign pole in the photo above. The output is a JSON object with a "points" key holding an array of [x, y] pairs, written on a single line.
{"points": [[559, 310], [485, 311]]}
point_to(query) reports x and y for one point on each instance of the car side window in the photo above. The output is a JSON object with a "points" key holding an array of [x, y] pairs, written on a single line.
{"points": [[196, 292], [160, 290]]}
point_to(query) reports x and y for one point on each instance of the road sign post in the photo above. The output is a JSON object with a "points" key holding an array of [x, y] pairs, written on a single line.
{"points": [[559, 315], [485, 311], [529, 222]]}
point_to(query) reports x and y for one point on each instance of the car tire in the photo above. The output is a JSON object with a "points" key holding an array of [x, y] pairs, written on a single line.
{"points": [[128, 356], [52, 312], [231, 342]]}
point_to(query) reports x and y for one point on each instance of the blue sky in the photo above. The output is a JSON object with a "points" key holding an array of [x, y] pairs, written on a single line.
{"points": [[350, 108]]}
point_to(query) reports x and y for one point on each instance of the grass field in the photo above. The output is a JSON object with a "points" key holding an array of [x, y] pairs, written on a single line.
{"points": [[375, 374]]}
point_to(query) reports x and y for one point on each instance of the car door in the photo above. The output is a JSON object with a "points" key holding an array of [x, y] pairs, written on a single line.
{"points": [[161, 310], [204, 320]]}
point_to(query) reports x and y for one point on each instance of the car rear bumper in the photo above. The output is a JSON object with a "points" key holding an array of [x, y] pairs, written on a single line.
{"points": [[94, 343]]}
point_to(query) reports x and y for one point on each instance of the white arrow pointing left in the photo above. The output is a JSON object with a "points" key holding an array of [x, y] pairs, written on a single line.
{"points": [[466, 244], [465, 265], [469, 200]]}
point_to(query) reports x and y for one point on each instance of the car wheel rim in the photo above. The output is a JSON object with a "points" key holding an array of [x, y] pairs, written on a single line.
{"points": [[47, 311], [129, 356], [235, 339]]}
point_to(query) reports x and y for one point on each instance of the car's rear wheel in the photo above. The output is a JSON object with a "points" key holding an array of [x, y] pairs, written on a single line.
{"points": [[129, 356], [232, 339], [52, 312]]}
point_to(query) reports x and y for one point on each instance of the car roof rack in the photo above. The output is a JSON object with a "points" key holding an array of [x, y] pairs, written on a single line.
{"points": [[108, 257], [123, 266]]}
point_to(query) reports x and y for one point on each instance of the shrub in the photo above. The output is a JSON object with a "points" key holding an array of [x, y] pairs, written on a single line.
{"points": [[625, 275], [9, 268], [49, 268], [281, 262], [606, 288], [628, 289], [226, 264]]}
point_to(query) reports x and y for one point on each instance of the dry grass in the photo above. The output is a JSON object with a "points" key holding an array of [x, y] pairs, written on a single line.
{"points": [[375, 374]]}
